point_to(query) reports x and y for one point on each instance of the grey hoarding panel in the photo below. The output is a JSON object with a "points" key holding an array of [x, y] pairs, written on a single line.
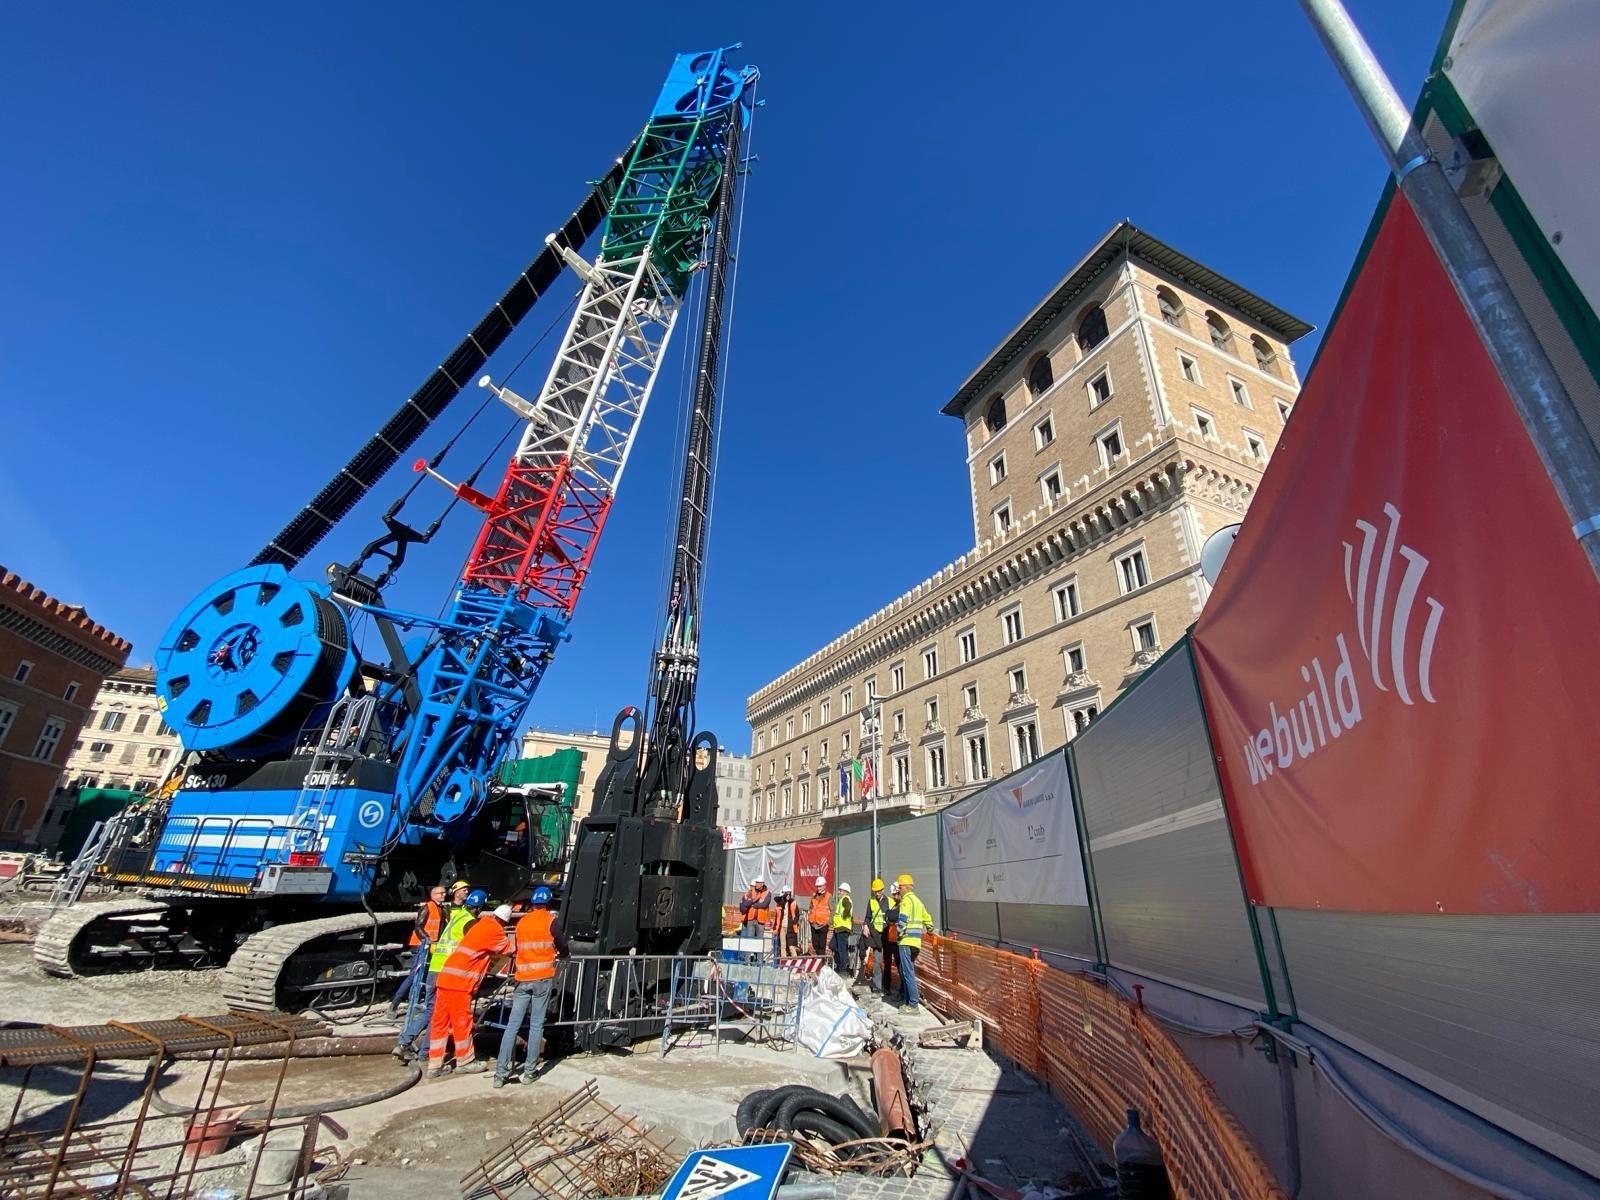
{"points": [[852, 862], [1494, 1013], [1168, 884], [912, 848], [972, 918], [730, 879], [1060, 928]]}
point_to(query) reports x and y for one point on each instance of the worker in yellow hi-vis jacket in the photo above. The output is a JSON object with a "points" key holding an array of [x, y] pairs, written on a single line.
{"points": [[913, 919]]}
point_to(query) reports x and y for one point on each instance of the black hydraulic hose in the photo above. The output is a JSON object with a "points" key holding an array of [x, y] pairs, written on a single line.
{"points": [[744, 1115], [292, 1111], [808, 1121], [812, 1100], [767, 1110], [865, 1119]]}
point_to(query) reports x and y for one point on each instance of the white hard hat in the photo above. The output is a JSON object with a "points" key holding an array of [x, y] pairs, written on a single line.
{"points": [[503, 912], [844, 887], [821, 882], [758, 882]]}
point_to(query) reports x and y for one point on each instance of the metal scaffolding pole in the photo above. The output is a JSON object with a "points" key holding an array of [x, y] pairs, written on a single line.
{"points": [[1569, 455]]}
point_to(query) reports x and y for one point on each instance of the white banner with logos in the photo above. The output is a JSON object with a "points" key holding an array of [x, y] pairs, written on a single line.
{"points": [[773, 863], [1016, 842]]}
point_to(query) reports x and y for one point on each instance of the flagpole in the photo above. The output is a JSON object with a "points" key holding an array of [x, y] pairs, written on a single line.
{"points": [[1569, 455], [877, 774]]}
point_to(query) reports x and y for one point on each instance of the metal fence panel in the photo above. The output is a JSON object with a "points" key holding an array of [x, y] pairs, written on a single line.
{"points": [[1061, 928], [1167, 882], [1495, 1013], [912, 848], [852, 860]]}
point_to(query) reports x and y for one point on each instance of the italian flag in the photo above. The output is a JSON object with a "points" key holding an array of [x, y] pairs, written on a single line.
{"points": [[862, 770]]}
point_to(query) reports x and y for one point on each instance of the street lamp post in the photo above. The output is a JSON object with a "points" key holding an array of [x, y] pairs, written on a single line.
{"points": [[875, 706]]}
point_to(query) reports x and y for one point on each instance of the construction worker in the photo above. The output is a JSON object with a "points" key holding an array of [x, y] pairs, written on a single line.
{"points": [[788, 925], [820, 917], [484, 939], [424, 932], [420, 1013], [755, 908], [879, 918], [913, 918], [538, 943], [843, 921]]}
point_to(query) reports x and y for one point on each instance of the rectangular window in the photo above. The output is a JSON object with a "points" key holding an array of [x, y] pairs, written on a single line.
{"points": [[846, 703], [1203, 423], [71, 693], [902, 773], [805, 796], [1072, 657], [1190, 368], [1132, 573], [872, 687], [1283, 407], [1011, 625], [24, 669], [930, 662], [1019, 680], [827, 708], [897, 677], [1241, 396], [844, 744], [935, 767], [1110, 444], [931, 707], [1050, 488], [788, 728], [900, 722], [788, 797], [997, 469], [1026, 738], [127, 753], [112, 721], [49, 739], [1066, 600], [1099, 389], [1081, 717], [1256, 445], [1044, 433], [787, 769], [142, 723], [1002, 518], [805, 720], [977, 758], [774, 737], [8, 714], [805, 758], [1144, 635], [969, 696], [967, 644], [822, 754], [761, 741], [156, 755]]}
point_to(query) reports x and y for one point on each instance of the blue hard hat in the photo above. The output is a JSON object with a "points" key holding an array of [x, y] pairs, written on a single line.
{"points": [[542, 895], [477, 898]]}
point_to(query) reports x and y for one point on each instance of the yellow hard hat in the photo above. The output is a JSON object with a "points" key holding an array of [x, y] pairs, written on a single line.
{"points": [[906, 881], [877, 885], [459, 884]]}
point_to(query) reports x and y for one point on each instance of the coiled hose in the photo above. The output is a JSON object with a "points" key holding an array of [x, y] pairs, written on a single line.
{"points": [[798, 1108]]}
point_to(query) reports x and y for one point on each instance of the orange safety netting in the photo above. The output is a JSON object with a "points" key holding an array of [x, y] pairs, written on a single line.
{"points": [[1101, 1055]]}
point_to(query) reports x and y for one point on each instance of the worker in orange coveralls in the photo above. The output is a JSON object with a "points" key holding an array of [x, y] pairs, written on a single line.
{"points": [[484, 940]]}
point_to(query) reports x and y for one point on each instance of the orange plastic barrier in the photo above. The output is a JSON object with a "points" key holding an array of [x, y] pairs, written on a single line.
{"points": [[1101, 1055]]}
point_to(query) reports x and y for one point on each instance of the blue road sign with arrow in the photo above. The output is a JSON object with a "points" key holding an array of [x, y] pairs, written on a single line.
{"points": [[730, 1173]]}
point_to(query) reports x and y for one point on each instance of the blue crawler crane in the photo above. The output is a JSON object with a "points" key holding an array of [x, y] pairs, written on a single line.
{"points": [[341, 755]]}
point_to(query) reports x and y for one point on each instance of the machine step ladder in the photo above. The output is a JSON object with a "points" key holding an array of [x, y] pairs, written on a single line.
{"points": [[106, 836], [343, 740]]}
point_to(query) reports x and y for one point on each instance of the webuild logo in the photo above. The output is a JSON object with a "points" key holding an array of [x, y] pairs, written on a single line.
{"points": [[1332, 706], [1029, 802]]}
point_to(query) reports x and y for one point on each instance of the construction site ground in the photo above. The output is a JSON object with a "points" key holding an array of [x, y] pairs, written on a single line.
{"points": [[424, 1139]]}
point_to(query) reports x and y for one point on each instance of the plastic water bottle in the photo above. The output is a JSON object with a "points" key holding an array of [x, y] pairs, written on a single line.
{"points": [[1141, 1171]]}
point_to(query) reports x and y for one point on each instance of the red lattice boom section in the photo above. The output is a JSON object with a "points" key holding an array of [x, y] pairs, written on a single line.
{"points": [[541, 535]]}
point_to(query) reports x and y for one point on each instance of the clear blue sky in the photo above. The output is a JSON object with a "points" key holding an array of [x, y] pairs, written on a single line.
{"points": [[236, 238]]}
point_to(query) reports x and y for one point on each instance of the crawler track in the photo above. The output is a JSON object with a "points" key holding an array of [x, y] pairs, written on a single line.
{"points": [[330, 961], [63, 944]]}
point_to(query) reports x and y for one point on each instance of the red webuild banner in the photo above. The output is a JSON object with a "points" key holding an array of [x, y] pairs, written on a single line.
{"points": [[1401, 660], [813, 860]]}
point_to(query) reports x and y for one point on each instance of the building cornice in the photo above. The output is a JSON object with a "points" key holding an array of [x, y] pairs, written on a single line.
{"points": [[1090, 512]]}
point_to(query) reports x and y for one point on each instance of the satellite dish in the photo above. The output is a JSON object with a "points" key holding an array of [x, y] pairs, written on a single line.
{"points": [[1215, 552]]}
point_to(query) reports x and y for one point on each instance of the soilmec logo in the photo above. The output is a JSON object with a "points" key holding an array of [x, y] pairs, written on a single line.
{"points": [[1385, 598]]}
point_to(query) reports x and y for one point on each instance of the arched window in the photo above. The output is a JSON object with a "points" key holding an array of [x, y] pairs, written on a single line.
{"points": [[1171, 306], [1221, 335], [1040, 377], [995, 417], [19, 807], [1266, 356], [1092, 328]]}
